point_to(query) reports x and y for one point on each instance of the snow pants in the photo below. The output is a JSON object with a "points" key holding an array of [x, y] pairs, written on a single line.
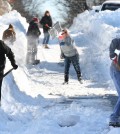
{"points": [[31, 50], [75, 61], [115, 75], [46, 38]]}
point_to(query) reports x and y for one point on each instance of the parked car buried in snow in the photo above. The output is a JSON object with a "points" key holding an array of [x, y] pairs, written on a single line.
{"points": [[109, 5]]}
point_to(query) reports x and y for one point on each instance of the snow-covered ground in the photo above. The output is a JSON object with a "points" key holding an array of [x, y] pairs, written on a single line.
{"points": [[34, 101]]}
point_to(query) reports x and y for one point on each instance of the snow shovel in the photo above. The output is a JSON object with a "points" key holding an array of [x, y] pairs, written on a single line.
{"points": [[6, 73]]}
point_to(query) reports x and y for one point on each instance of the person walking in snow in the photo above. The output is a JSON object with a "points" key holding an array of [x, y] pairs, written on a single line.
{"points": [[33, 34], [46, 22], [9, 35], [67, 45], [115, 75], [5, 51]]}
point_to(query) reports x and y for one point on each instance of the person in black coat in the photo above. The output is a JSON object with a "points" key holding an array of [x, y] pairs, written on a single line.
{"points": [[33, 34], [46, 22], [5, 51]]}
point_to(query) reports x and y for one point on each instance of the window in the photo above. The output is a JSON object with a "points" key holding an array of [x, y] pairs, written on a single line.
{"points": [[110, 6]]}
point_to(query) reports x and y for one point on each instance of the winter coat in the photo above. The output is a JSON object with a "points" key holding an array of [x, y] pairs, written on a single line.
{"points": [[9, 35], [33, 30], [68, 47], [115, 47], [46, 20], [5, 51]]}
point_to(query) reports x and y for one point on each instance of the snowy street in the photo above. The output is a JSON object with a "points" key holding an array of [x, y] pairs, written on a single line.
{"points": [[34, 101]]}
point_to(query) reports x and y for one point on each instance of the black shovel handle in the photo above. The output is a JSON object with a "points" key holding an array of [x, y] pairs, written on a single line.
{"points": [[6, 73]]}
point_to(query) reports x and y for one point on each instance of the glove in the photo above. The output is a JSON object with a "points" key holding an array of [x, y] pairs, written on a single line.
{"points": [[46, 25], [15, 66], [60, 37], [115, 60]]}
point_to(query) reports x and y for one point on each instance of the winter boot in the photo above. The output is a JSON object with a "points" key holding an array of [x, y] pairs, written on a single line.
{"points": [[79, 78], [115, 122], [65, 79], [46, 46], [36, 62]]}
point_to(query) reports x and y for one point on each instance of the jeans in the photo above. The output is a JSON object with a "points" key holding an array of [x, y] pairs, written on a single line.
{"points": [[46, 38], [75, 61], [115, 75], [1, 74]]}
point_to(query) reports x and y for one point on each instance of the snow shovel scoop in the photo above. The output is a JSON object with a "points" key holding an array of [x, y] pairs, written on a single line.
{"points": [[6, 73]]}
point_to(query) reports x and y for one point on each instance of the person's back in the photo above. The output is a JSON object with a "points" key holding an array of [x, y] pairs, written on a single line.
{"points": [[33, 34], [9, 34], [33, 29]]}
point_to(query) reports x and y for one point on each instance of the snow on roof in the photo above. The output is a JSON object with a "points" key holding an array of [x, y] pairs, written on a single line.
{"points": [[111, 1]]}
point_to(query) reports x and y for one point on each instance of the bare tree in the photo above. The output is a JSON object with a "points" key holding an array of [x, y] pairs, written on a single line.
{"points": [[4, 7], [27, 8], [72, 8], [33, 7]]}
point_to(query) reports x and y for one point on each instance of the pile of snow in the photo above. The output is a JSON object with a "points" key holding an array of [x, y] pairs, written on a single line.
{"points": [[93, 33], [68, 120]]}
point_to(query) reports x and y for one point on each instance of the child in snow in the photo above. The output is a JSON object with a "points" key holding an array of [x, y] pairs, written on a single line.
{"points": [[5, 51], [71, 55], [33, 34], [46, 22], [115, 75], [9, 35]]}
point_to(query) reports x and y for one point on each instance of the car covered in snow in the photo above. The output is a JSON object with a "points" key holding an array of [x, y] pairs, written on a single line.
{"points": [[109, 5]]}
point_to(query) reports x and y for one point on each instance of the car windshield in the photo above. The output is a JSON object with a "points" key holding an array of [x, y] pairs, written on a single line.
{"points": [[110, 6]]}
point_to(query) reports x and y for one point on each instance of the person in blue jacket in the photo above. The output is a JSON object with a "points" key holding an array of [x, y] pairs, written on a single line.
{"points": [[115, 75]]}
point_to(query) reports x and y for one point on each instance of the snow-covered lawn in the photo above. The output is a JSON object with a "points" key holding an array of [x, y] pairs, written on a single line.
{"points": [[34, 101]]}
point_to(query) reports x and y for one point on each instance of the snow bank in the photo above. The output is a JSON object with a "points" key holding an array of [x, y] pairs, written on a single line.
{"points": [[93, 33]]}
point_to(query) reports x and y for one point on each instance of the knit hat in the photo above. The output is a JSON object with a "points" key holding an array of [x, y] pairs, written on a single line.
{"points": [[10, 26], [35, 19]]}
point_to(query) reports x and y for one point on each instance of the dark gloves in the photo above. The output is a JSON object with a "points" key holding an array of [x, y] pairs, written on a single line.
{"points": [[46, 25], [15, 66], [60, 37]]}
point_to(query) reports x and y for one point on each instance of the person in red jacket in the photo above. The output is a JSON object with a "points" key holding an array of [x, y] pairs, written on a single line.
{"points": [[33, 34]]}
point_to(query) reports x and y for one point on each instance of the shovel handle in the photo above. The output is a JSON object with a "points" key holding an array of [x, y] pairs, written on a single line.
{"points": [[6, 73]]}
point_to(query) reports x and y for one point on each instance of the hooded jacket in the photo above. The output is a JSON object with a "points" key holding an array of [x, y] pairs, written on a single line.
{"points": [[68, 47], [9, 34], [33, 29]]}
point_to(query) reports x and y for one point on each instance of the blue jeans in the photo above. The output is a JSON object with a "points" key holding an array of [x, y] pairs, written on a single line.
{"points": [[75, 61], [46, 38], [1, 74], [115, 75]]}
